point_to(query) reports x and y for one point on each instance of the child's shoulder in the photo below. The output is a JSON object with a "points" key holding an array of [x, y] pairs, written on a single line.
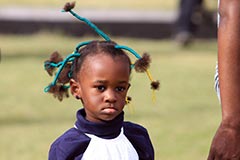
{"points": [[70, 135], [133, 127], [139, 138], [71, 143]]}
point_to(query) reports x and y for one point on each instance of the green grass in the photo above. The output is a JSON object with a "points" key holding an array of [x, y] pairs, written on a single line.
{"points": [[107, 4], [181, 122]]}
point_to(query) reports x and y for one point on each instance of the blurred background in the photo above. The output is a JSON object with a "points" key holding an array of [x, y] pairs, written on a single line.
{"points": [[179, 35]]}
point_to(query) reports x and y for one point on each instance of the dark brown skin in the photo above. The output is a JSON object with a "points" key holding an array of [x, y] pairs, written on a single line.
{"points": [[226, 143], [103, 88]]}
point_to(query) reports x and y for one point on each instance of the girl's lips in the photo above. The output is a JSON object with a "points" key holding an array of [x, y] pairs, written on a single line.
{"points": [[109, 110]]}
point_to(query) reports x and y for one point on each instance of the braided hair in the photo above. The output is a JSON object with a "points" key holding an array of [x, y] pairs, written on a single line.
{"points": [[71, 69], [71, 65]]}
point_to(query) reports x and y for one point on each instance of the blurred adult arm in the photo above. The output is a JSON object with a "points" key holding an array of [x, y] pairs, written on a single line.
{"points": [[226, 143]]}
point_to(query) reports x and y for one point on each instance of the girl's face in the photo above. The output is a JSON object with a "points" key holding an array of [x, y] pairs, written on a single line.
{"points": [[102, 85]]}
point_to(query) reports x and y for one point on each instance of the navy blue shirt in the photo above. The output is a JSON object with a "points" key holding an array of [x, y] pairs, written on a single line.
{"points": [[73, 143]]}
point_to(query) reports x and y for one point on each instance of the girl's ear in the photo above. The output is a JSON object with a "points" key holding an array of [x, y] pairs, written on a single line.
{"points": [[129, 85], [75, 89]]}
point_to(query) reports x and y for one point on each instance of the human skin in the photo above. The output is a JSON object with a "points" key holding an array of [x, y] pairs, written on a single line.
{"points": [[226, 143], [102, 85]]}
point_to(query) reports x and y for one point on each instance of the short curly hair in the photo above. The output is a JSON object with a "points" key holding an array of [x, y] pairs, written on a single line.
{"points": [[60, 89]]}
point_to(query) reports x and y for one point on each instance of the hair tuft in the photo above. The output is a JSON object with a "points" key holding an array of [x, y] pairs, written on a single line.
{"points": [[68, 6], [142, 64], [55, 57], [59, 91], [64, 75], [155, 85]]}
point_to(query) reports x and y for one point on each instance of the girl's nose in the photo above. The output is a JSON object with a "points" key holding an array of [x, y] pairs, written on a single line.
{"points": [[110, 96]]}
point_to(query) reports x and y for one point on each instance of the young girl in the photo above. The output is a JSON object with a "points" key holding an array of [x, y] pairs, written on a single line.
{"points": [[98, 73]]}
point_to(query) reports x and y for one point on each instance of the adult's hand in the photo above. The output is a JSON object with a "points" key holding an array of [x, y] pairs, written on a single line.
{"points": [[226, 144]]}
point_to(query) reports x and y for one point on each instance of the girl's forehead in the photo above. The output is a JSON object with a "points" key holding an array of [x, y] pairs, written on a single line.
{"points": [[105, 64], [105, 67]]}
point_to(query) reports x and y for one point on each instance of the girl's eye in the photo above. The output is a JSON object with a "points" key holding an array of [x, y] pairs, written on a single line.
{"points": [[100, 88], [120, 89]]}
